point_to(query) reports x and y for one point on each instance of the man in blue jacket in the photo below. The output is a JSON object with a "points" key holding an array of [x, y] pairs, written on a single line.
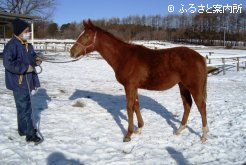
{"points": [[19, 60]]}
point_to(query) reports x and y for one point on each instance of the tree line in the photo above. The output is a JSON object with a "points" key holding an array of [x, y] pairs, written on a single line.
{"points": [[200, 28]]}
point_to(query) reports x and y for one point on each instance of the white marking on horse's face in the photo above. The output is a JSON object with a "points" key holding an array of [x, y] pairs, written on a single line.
{"points": [[75, 50], [81, 34]]}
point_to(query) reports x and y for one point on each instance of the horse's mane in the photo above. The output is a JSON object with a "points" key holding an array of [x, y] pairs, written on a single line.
{"points": [[117, 38], [109, 34]]}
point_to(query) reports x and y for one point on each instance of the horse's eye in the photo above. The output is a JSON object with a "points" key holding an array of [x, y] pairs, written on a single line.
{"points": [[87, 36]]}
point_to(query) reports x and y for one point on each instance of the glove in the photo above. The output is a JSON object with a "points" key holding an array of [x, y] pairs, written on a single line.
{"points": [[38, 61], [30, 69]]}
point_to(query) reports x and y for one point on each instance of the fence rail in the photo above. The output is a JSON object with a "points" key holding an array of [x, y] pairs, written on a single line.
{"points": [[224, 60], [55, 46], [48, 45]]}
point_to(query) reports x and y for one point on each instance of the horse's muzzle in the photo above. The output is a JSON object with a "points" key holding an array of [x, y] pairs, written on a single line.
{"points": [[73, 53]]}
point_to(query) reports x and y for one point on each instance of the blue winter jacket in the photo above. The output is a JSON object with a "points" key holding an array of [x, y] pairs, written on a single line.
{"points": [[16, 60]]}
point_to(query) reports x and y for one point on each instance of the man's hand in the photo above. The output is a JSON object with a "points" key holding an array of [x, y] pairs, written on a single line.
{"points": [[38, 61]]}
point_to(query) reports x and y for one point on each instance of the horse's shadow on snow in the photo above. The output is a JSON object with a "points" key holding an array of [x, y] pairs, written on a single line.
{"points": [[114, 103]]}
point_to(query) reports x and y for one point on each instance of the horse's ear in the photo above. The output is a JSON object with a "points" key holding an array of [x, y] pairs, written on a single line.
{"points": [[85, 23], [90, 23]]}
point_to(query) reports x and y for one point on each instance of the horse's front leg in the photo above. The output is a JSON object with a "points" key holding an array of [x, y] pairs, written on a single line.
{"points": [[130, 99]]}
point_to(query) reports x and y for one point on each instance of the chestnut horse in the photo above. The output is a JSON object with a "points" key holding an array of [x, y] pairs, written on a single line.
{"points": [[136, 67]]}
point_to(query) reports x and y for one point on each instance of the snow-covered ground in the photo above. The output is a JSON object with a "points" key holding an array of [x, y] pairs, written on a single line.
{"points": [[81, 108]]}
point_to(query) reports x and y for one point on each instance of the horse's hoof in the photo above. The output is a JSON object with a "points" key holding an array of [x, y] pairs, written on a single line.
{"points": [[178, 132], [203, 140], [126, 139], [180, 129], [138, 131], [204, 137]]}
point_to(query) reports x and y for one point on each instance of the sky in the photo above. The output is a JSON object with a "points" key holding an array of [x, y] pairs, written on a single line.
{"points": [[77, 10]]}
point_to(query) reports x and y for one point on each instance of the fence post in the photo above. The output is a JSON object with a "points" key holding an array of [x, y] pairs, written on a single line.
{"points": [[223, 61], [209, 61], [237, 63], [46, 47], [54, 47]]}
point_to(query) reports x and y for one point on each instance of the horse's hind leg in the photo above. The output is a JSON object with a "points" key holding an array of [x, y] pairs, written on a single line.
{"points": [[139, 116], [201, 105], [187, 103], [200, 101]]}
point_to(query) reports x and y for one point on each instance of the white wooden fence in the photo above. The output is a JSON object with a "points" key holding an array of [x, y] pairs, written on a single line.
{"points": [[224, 60], [47, 45], [53, 45]]}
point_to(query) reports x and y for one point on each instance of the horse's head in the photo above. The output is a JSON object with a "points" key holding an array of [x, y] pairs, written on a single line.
{"points": [[85, 42]]}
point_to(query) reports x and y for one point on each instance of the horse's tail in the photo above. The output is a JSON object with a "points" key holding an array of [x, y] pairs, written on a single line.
{"points": [[211, 69]]}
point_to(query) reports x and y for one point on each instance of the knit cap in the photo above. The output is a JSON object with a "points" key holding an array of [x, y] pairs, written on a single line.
{"points": [[19, 26]]}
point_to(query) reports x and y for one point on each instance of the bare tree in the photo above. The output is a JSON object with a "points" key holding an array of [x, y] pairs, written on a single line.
{"points": [[72, 31], [42, 8], [52, 29]]}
